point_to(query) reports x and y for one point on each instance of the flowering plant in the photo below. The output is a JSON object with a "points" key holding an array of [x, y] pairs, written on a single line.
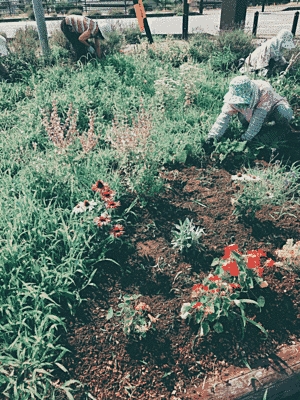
{"points": [[136, 317], [220, 293], [104, 220]]}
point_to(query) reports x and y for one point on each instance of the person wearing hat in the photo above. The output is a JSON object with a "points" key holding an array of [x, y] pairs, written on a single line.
{"points": [[269, 54], [3, 53], [254, 102], [79, 29]]}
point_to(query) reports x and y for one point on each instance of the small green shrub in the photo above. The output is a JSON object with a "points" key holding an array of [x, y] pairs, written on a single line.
{"points": [[275, 185], [30, 14], [26, 40], [75, 11], [95, 14], [116, 11], [187, 236], [132, 35]]}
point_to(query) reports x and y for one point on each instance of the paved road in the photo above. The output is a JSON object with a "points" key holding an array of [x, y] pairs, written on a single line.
{"points": [[269, 23]]}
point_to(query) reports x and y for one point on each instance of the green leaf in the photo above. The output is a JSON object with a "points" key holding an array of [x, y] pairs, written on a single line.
{"points": [[265, 395], [110, 313], [204, 328], [218, 327], [261, 301], [258, 326], [61, 367]]}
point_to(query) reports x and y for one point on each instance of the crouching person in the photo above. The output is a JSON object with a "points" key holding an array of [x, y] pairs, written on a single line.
{"points": [[255, 102], [268, 56], [3, 53], [78, 30]]}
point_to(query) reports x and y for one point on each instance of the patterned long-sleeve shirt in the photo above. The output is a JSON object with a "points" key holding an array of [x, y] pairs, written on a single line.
{"points": [[268, 99], [82, 24]]}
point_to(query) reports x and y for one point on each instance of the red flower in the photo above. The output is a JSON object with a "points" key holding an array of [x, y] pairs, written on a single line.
{"points": [[253, 260], [214, 278], [262, 253], [229, 249], [112, 204], [232, 268], [197, 287], [269, 262], [260, 271], [197, 305], [142, 307], [234, 285], [117, 230]]}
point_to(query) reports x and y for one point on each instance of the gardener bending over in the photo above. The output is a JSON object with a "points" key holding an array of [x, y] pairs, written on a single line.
{"points": [[3, 53], [269, 54], [255, 102], [78, 29]]}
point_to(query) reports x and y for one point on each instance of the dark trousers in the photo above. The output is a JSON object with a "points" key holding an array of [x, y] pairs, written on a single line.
{"points": [[3, 71], [80, 49]]}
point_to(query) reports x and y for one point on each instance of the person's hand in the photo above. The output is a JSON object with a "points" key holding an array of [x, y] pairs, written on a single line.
{"points": [[91, 50]]}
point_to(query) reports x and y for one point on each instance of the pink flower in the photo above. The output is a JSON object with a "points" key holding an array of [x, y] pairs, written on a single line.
{"points": [[112, 204], [117, 230], [107, 195], [104, 219], [99, 186]]}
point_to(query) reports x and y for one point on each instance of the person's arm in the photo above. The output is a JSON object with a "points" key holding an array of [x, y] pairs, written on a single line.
{"points": [[98, 47], [84, 37], [258, 117], [219, 127]]}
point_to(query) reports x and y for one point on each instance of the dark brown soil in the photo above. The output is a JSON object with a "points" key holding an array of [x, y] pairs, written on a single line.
{"points": [[170, 363]]}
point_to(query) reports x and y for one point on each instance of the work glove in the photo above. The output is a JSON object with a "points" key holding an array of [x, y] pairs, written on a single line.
{"points": [[91, 50]]}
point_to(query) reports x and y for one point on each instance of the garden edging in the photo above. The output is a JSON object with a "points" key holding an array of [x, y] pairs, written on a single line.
{"points": [[279, 373]]}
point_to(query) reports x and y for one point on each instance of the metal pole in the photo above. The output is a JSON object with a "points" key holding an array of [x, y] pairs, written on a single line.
{"points": [[295, 22], [147, 30], [255, 21], [185, 20], [41, 26], [201, 7], [263, 6]]}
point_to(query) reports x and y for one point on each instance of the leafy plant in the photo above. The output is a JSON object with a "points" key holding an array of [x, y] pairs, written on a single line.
{"points": [[187, 236], [226, 148], [137, 319], [220, 294]]}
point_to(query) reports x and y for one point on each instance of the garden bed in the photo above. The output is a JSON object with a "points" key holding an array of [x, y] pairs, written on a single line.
{"points": [[171, 363]]}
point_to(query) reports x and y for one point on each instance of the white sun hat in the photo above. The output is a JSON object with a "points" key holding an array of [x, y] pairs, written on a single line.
{"points": [[286, 37], [240, 91]]}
